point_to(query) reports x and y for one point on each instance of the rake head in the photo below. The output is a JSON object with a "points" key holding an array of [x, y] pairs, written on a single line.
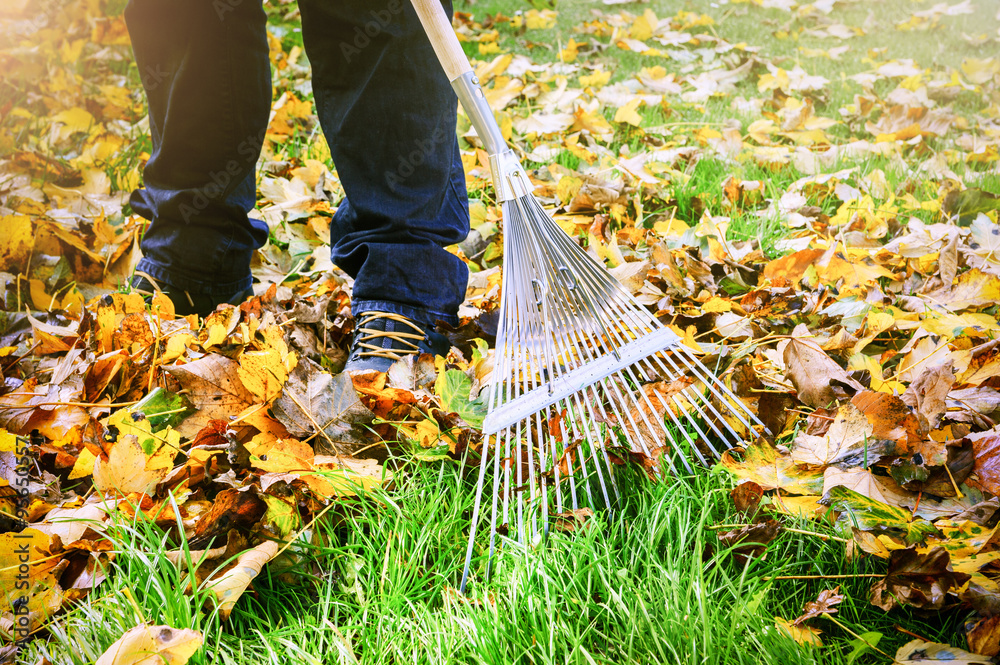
{"points": [[582, 372]]}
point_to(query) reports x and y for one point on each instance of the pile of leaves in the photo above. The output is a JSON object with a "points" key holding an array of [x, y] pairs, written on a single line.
{"points": [[863, 334]]}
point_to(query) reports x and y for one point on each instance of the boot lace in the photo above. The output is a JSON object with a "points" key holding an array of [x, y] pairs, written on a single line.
{"points": [[406, 341]]}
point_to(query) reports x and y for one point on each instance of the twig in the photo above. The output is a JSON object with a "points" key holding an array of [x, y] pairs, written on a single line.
{"points": [[83, 404], [958, 492], [911, 633], [812, 415], [32, 563], [315, 424], [821, 577], [826, 615], [303, 529], [152, 364], [717, 527]]}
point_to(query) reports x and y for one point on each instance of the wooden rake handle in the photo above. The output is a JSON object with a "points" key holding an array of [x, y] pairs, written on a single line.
{"points": [[442, 35]]}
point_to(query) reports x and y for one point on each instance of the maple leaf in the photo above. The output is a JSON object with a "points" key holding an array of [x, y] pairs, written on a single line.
{"points": [[215, 389], [824, 604], [317, 402]]}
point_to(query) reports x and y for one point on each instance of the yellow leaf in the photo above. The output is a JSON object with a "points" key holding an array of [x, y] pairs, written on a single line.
{"points": [[593, 122], [539, 20], [569, 53], [281, 456], [263, 373], [597, 79], [217, 334], [37, 591], [627, 114], [125, 470], [644, 26], [344, 476], [804, 635], [176, 346], [716, 305], [72, 121], [153, 645], [670, 228], [84, 465], [8, 442], [17, 239], [704, 134], [567, 188], [230, 585]]}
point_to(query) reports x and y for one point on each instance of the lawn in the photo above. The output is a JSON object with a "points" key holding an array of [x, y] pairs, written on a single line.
{"points": [[680, 137]]}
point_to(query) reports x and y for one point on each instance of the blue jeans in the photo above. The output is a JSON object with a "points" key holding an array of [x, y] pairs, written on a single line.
{"points": [[388, 113]]}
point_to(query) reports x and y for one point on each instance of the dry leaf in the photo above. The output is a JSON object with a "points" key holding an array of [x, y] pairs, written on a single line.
{"points": [[153, 645], [229, 585]]}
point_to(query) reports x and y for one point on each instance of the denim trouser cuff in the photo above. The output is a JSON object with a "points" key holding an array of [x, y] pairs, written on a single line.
{"points": [[216, 289], [418, 314]]}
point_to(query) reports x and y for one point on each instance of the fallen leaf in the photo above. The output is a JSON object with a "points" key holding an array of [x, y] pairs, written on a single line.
{"points": [[804, 635], [153, 645], [918, 580], [127, 469], [824, 604], [229, 585], [919, 651], [869, 514], [983, 636], [317, 402], [214, 388], [818, 379]]}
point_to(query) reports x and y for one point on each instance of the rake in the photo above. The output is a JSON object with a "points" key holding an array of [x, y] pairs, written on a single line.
{"points": [[582, 371]]}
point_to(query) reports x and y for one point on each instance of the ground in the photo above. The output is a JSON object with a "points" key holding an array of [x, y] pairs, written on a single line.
{"points": [[806, 193]]}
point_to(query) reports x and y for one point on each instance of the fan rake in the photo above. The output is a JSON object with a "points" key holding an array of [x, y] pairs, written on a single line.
{"points": [[582, 371]]}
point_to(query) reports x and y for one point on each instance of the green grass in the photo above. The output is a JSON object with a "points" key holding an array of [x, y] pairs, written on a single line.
{"points": [[648, 583]]}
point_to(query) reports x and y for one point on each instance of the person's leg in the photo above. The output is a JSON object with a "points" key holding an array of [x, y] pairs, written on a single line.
{"points": [[388, 113], [205, 68]]}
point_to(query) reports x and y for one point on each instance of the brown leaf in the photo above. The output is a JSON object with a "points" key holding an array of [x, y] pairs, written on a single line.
{"points": [[750, 541], [231, 509], [317, 402], [819, 381], [919, 651], [924, 470], [747, 496], [891, 418], [214, 387], [824, 604], [928, 392], [984, 363], [917, 580], [983, 636], [572, 520], [987, 467]]}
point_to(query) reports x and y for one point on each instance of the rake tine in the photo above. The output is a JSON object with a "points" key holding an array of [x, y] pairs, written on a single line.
{"points": [[475, 518], [571, 338], [701, 371], [708, 381], [582, 456], [693, 399]]}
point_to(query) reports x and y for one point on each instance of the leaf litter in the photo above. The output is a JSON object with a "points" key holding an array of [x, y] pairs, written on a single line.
{"points": [[864, 337]]}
